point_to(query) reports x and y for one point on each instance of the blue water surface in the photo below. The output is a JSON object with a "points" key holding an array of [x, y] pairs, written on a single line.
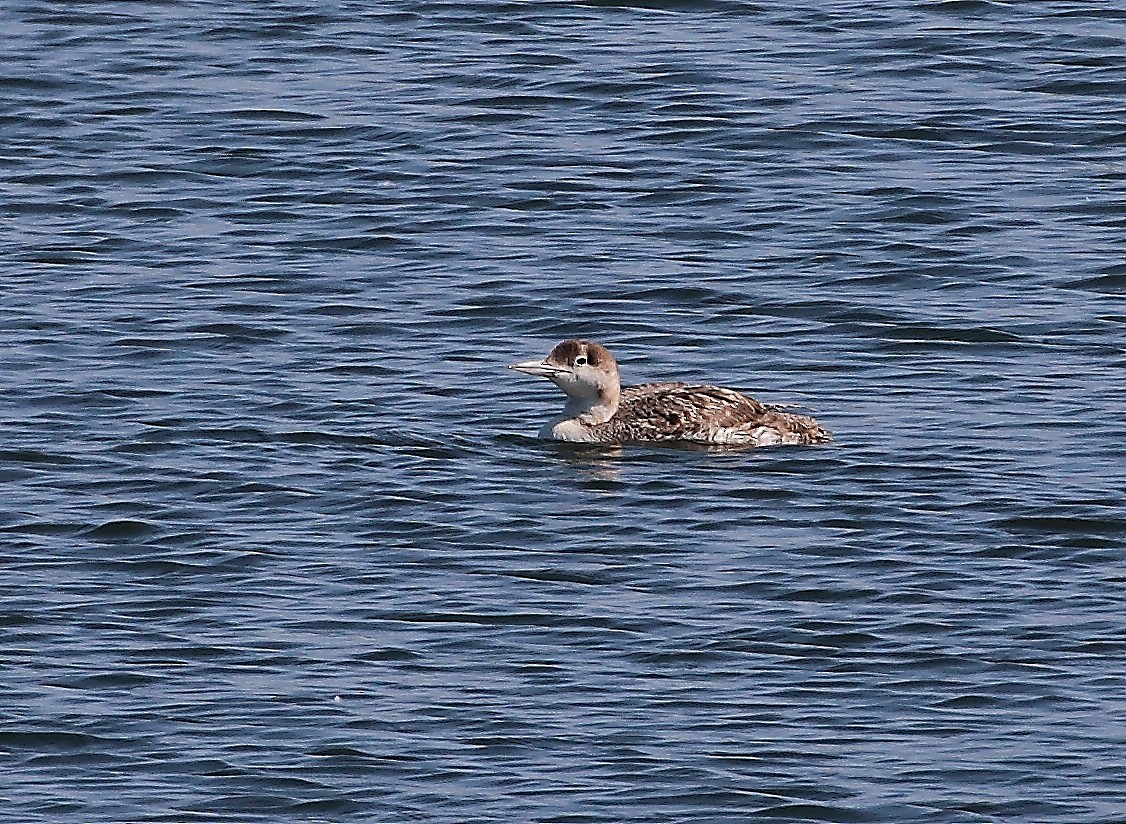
{"points": [[278, 541]]}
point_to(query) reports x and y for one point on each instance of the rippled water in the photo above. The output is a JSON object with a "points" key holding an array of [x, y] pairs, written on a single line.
{"points": [[279, 542]]}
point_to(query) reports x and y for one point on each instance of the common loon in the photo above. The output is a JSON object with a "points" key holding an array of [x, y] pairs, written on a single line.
{"points": [[600, 410]]}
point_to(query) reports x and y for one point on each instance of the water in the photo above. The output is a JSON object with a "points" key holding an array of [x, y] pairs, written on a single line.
{"points": [[279, 542]]}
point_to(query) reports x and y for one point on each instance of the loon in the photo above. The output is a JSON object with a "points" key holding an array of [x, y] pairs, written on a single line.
{"points": [[600, 410]]}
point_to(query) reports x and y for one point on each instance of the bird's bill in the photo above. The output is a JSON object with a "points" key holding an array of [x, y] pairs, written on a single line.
{"points": [[541, 369]]}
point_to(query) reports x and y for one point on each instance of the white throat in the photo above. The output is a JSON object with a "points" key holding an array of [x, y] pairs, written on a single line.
{"points": [[588, 410], [578, 416]]}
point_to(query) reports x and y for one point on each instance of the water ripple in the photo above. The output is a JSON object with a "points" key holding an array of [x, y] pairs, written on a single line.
{"points": [[279, 540]]}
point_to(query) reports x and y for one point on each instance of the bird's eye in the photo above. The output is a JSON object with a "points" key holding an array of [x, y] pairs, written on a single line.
{"points": [[580, 360]]}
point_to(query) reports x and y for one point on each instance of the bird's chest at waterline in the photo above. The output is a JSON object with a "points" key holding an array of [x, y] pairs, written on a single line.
{"points": [[568, 429]]}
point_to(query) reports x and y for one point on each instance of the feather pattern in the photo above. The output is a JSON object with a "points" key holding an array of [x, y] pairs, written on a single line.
{"points": [[600, 410], [704, 414]]}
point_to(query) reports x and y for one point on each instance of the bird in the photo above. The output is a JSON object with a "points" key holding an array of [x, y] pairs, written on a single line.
{"points": [[600, 410]]}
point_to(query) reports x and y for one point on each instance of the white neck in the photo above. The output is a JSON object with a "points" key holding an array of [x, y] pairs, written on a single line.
{"points": [[575, 422], [588, 411]]}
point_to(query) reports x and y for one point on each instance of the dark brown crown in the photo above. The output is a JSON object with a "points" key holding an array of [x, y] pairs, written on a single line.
{"points": [[566, 353]]}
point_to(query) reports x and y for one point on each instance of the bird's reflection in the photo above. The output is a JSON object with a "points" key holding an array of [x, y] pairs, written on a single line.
{"points": [[596, 462], [604, 462]]}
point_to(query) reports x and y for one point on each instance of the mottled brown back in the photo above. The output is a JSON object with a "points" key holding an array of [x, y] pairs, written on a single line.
{"points": [[682, 411]]}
